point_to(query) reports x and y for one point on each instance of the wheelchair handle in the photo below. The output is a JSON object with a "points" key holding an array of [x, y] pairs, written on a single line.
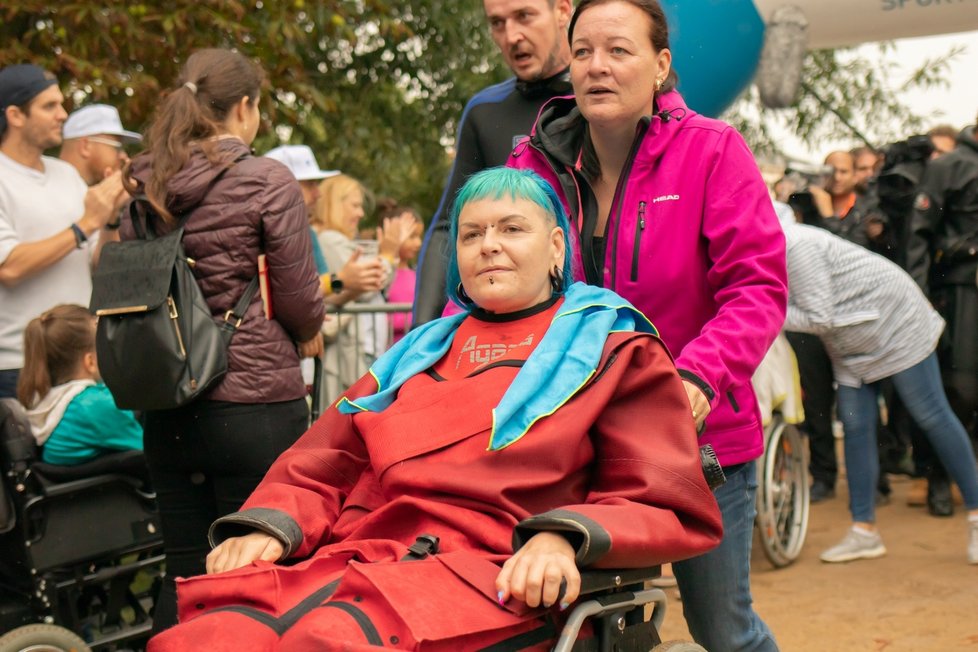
{"points": [[712, 470]]}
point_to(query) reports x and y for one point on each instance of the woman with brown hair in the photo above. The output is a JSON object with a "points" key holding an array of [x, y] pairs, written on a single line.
{"points": [[206, 457], [668, 204]]}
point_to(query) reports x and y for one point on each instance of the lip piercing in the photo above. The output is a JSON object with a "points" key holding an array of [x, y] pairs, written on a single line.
{"points": [[491, 281]]}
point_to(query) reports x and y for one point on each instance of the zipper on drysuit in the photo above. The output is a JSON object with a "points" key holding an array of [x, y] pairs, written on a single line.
{"points": [[637, 243], [360, 617]]}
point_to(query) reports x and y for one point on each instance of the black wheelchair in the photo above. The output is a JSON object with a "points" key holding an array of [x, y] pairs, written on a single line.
{"points": [[80, 547], [617, 603], [622, 610]]}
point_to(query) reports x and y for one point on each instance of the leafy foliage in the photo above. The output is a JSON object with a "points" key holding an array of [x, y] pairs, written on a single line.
{"points": [[375, 87], [843, 97]]}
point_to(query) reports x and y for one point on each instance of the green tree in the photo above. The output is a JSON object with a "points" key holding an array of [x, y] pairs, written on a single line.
{"points": [[843, 96], [375, 87]]}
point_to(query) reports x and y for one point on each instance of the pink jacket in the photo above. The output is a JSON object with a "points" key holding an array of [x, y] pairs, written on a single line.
{"points": [[692, 241]]}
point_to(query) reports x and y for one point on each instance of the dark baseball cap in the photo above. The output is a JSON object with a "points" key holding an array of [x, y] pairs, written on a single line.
{"points": [[20, 84]]}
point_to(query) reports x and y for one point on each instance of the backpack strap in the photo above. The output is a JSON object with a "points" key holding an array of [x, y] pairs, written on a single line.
{"points": [[234, 317]]}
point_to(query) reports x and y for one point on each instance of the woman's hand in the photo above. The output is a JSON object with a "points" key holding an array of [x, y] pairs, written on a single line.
{"points": [[534, 573], [361, 275], [697, 403], [241, 551], [395, 232], [311, 348]]}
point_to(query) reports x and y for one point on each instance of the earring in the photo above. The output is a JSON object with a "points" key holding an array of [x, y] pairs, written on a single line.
{"points": [[463, 297], [658, 84], [557, 280]]}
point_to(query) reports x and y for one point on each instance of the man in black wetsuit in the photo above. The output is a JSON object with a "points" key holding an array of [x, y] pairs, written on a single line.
{"points": [[532, 37]]}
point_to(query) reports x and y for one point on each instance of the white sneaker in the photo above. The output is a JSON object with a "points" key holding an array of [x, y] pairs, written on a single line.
{"points": [[857, 544], [973, 540]]}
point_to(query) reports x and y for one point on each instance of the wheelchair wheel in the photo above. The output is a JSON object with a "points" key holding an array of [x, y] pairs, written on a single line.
{"points": [[678, 646], [782, 501], [42, 638]]}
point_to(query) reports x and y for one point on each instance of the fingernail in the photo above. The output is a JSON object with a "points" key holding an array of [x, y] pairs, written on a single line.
{"points": [[499, 597], [564, 605]]}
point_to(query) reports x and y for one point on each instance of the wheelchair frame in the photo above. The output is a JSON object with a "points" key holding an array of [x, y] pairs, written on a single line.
{"points": [[71, 545], [782, 493]]}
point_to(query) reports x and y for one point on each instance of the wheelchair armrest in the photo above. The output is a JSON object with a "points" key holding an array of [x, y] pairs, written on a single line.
{"points": [[593, 581], [131, 463], [78, 486]]}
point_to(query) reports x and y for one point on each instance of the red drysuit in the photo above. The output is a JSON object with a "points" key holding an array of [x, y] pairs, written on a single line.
{"points": [[616, 469]]}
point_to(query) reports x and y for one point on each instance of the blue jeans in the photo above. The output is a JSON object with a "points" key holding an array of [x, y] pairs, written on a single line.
{"points": [[923, 395], [715, 587]]}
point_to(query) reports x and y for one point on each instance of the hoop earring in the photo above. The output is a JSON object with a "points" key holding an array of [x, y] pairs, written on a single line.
{"points": [[557, 280], [463, 297]]}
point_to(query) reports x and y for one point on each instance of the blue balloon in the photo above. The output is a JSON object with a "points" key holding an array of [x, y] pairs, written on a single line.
{"points": [[716, 46]]}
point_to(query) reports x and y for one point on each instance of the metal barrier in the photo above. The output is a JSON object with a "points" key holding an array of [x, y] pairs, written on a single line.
{"points": [[356, 334]]}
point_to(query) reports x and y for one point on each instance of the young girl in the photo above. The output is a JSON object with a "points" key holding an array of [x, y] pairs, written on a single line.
{"points": [[73, 415]]}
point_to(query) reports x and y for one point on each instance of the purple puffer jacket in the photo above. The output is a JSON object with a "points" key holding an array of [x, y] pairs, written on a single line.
{"points": [[256, 207], [692, 241]]}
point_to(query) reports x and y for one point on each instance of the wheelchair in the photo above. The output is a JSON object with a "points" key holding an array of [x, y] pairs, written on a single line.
{"points": [[615, 602], [782, 493], [782, 472], [76, 544]]}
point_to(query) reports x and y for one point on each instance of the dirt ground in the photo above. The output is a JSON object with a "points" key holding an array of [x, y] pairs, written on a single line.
{"points": [[922, 596]]}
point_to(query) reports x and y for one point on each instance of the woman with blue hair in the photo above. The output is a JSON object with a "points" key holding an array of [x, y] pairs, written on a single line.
{"points": [[542, 430]]}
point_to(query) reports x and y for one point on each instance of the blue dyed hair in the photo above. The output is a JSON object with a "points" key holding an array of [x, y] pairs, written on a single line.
{"points": [[496, 183]]}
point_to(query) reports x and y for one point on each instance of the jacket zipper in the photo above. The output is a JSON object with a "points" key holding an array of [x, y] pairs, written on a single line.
{"points": [[619, 198], [639, 230], [733, 402]]}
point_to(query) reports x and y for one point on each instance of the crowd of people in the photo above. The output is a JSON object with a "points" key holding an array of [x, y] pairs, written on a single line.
{"points": [[584, 198], [888, 323]]}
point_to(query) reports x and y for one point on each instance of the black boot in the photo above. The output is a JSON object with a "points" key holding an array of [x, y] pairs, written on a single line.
{"points": [[939, 501]]}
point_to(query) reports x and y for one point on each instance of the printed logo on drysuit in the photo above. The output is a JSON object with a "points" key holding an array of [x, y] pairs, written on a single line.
{"points": [[476, 354], [665, 198]]}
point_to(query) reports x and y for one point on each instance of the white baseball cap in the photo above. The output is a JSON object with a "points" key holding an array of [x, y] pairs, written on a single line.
{"points": [[301, 162], [97, 119]]}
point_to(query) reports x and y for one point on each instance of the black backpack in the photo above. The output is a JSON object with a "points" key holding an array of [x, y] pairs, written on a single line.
{"points": [[158, 346]]}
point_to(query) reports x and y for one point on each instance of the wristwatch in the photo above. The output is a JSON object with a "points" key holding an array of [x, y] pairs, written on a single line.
{"points": [[80, 236], [335, 284]]}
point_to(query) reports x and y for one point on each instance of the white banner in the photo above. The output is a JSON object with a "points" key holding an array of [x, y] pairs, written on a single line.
{"points": [[837, 23]]}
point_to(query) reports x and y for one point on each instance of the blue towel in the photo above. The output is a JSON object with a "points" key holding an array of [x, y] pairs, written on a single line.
{"points": [[561, 364]]}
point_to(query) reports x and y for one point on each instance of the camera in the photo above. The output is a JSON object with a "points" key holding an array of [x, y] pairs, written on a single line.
{"points": [[799, 176], [793, 187], [903, 168], [915, 149]]}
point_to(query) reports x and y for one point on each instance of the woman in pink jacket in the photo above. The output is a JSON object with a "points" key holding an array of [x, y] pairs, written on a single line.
{"points": [[672, 214]]}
